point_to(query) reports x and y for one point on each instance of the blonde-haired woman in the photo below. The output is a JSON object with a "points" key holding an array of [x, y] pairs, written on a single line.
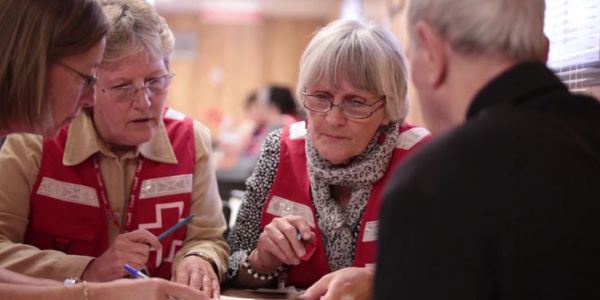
{"points": [[48, 61], [94, 197]]}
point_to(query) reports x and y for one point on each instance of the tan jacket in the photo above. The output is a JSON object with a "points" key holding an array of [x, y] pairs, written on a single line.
{"points": [[20, 161]]}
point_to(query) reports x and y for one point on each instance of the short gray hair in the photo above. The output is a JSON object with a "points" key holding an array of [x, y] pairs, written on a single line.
{"points": [[513, 28], [136, 27], [365, 55]]}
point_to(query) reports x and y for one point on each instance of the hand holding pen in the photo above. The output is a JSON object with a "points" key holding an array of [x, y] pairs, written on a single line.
{"points": [[192, 267], [168, 232], [279, 244], [134, 273], [131, 248]]}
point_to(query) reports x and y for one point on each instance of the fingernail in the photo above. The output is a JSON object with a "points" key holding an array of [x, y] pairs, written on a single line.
{"points": [[301, 252]]}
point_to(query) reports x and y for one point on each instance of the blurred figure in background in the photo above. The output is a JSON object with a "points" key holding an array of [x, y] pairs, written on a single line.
{"points": [[267, 109], [272, 108]]}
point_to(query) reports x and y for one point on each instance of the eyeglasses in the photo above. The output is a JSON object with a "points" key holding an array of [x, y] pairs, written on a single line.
{"points": [[355, 108], [88, 80], [155, 86]]}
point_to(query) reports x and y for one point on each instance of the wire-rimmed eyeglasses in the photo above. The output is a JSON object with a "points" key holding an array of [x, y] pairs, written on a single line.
{"points": [[355, 108], [154, 86], [88, 80]]}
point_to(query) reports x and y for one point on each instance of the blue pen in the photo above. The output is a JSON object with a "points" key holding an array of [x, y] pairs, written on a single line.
{"points": [[135, 273], [175, 227]]}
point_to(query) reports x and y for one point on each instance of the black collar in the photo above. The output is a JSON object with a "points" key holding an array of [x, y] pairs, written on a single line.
{"points": [[520, 83]]}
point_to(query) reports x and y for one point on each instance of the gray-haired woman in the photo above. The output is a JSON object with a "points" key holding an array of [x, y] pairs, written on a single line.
{"points": [[311, 207]]}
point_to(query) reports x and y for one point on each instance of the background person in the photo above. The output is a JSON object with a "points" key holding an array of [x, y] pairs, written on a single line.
{"points": [[40, 90], [123, 172], [504, 203], [267, 109], [273, 107], [323, 179]]}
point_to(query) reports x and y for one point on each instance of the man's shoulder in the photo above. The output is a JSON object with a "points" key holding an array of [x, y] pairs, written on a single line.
{"points": [[499, 137], [491, 141]]}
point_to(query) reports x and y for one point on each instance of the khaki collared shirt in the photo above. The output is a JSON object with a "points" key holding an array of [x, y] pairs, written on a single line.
{"points": [[20, 159]]}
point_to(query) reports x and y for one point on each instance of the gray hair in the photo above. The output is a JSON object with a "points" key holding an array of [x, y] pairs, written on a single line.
{"points": [[513, 28], [367, 56], [136, 27]]}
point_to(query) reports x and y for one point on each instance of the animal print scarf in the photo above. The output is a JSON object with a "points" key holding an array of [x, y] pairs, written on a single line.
{"points": [[339, 227]]}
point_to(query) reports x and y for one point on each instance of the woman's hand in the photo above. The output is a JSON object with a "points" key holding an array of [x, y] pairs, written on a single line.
{"points": [[132, 248], [278, 244], [352, 283], [198, 273], [144, 289]]}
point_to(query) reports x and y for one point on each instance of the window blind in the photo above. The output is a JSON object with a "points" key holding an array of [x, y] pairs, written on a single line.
{"points": [[573, 28]]}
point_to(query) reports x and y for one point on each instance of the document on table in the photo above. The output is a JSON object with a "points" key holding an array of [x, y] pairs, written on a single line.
{"points": [[234, 298]]}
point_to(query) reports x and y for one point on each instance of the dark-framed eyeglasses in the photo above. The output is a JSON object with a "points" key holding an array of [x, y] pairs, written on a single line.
{"points": [[355, 108], [156, 86], [88, 80]]}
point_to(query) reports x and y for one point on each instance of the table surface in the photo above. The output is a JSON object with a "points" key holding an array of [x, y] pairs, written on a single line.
{"points": [[238, 293]]}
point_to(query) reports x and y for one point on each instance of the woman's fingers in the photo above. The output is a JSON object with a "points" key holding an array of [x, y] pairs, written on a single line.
{"points": [[269, 245], [291, 234], [144, 237]]}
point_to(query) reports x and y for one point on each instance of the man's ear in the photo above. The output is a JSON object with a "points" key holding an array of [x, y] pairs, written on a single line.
{"points": [[433, 53]]}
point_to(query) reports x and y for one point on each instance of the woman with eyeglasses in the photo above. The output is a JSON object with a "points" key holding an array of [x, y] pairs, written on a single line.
{"points": [[310, 213], [50, 54], [124, 171]]}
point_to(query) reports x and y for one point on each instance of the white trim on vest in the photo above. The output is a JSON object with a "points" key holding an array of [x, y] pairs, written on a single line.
{"points": [[370, 233], [281, 207], [165, 186], [68, 192], [174, 245], [159, 223], [298, 130], [411, 137], [174, 115]]}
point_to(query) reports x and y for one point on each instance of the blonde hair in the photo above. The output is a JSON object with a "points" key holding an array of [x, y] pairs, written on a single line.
{"points": [[367, 56], [513, 28], [34, 35], [136, 27]]}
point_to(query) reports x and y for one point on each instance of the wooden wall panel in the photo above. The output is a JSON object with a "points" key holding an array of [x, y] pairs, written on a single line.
{"points": [[245, 56], [285, 43]]}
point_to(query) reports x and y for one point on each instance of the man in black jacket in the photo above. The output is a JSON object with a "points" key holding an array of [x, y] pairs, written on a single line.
{"points": [[505, 202]]}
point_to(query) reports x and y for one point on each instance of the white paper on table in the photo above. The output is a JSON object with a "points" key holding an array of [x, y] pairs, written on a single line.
{"points": [[234, 298]]}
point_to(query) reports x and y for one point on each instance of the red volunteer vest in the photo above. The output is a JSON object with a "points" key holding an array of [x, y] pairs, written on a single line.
{"points": [[68, 215], [290, 194]]}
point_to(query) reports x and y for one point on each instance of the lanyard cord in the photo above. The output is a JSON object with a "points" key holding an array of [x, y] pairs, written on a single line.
{"points": [[110, 213]]}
